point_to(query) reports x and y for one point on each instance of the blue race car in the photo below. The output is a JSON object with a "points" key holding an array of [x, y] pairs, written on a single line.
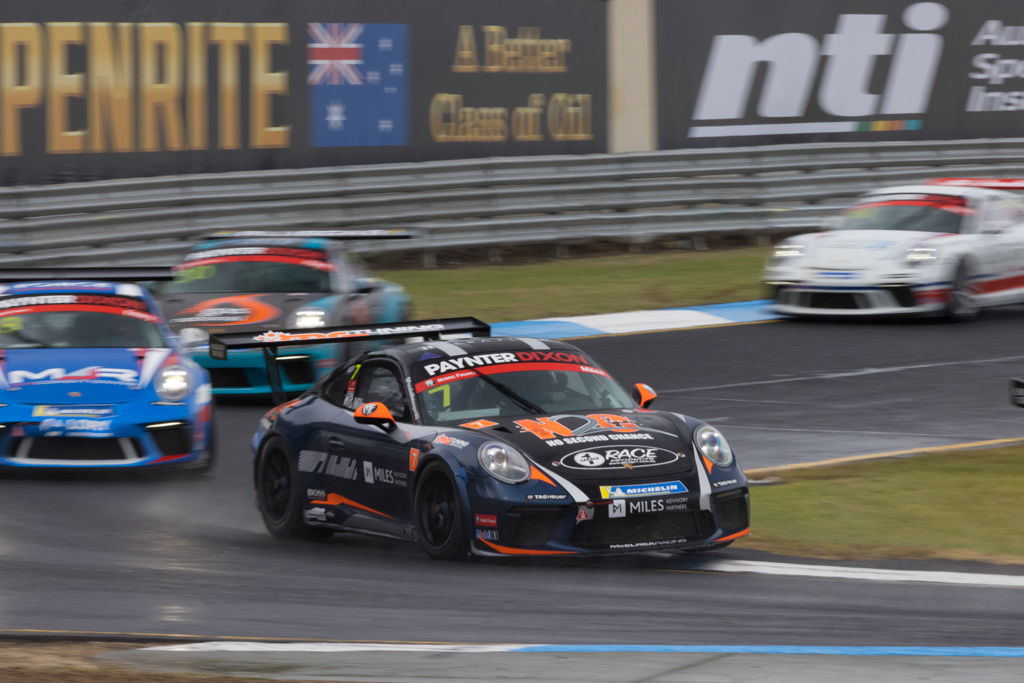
{"points": [[266, 280], [488, 446], [92, 377]]}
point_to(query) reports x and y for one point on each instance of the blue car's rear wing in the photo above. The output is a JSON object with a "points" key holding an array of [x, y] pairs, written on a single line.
{"points": [[270, 340], [99, 273]]}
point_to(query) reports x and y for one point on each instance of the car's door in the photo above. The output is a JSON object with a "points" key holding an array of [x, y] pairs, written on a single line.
{"points": [[381, 458], [1000, 235]]}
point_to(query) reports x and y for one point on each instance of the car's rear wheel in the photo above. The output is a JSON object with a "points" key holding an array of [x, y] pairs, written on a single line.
{"points": [[278, 494], [438, 514], [961, 304]]}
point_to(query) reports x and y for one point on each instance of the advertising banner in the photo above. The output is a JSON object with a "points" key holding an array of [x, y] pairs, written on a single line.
{"points": [[747, 72], [109, 88]]}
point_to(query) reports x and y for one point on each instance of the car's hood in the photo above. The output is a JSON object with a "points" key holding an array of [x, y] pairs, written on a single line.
{"points": [[238, 312], [858, 249], [79, 376], [600, 446]]}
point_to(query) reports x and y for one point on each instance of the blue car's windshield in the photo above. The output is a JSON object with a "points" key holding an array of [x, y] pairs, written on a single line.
{"points": [[253, 269], [78, 329]]}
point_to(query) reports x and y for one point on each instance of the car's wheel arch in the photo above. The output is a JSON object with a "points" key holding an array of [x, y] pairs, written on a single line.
{"points": [[459, 476]]}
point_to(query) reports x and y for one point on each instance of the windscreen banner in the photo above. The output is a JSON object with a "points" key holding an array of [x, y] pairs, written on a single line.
{"points": [[750, 72], [108, 88]]}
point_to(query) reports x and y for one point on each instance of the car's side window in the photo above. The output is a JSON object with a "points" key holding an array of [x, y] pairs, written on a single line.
{"points": [[381, 383], [337, 387]]}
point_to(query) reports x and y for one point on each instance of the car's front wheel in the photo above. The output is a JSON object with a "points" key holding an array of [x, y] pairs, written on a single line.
{"points": [[438, 514], [278, 495], [961, 304]]}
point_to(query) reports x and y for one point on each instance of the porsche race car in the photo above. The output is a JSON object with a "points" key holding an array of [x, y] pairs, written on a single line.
{"points": [[261, 280], [945, 248], [487, 446], [92, 377]]}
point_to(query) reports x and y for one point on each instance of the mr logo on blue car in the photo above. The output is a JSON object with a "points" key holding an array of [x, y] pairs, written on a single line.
{"points": [[261, 280], [90, 375]]}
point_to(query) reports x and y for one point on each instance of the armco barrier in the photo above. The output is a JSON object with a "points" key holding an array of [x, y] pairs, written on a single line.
{"points": [[632, 198]]}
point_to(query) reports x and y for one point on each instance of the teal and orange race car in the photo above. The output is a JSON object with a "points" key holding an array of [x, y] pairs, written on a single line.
{"points": [[264, 280], [487, 446]]}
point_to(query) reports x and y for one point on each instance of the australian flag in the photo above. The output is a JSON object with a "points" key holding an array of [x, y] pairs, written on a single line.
{"points": [[357, 81]]}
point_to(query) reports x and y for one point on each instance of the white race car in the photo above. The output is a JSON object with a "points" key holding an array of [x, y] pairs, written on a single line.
{"points": [[946, 248]]}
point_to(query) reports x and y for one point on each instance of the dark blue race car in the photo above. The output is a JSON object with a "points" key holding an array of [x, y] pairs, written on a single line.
{"points": [[91, 376], [258, 280], [488, 446]]}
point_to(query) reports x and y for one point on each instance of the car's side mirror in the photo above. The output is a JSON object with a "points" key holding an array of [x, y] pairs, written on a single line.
{"points": [[1017, 392], [364, 285], [377, 414], [644, 394]]}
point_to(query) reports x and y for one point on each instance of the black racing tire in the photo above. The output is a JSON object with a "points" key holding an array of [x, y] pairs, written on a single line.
{"points": [[278, 493], [961, 305], [437, 506]]}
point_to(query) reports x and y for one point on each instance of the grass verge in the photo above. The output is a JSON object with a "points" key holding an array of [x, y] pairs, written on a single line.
{"points": [[581, 286], [961, 505]]}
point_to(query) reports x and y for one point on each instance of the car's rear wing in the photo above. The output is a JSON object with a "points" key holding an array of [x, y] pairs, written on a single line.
{"points": [[101, 273], [1010, 184], [271, 340], [326, 233]]}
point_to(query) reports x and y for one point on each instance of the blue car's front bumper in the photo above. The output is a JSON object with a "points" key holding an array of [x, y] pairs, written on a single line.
{"points": [[245, 373], [123, 435]]}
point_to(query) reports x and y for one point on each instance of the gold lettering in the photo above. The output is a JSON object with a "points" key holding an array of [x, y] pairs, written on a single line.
{"points": [[110, 88], [450, 121], [264, 85], [526, 121], [466, 60], [197, 89], [62, 86], [494, 48], [21, 78], [569, 117], [228, 37], [160, 85]]}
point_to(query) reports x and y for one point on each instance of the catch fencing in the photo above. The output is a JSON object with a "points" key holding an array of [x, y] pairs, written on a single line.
{"points": [[632, 199]]}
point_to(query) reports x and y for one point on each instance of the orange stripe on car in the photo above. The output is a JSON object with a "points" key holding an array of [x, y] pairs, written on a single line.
{"points": [[505, 550], [338, 499], [732, 536], [540, 476]]}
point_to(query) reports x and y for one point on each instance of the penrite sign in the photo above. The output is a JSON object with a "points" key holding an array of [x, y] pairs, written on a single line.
{"points": [[742, 72], [108, 88]]}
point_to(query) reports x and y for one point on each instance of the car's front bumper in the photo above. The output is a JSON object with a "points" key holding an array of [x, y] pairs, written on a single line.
{"points": [[646, 525], [165, 435], [809, 299]]}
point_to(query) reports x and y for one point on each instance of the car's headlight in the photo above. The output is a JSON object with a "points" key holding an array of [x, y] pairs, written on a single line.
{"points": [[504, 462], [310, 317], [173, 383], [193, 336], [712, 445], [787, 252], [916, 256]]}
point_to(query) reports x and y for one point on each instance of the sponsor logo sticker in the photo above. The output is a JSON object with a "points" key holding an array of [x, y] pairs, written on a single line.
{"points": [[640, 490], [619, 457], [368, 471], [72, 411], [617, 508], [485, 520]]}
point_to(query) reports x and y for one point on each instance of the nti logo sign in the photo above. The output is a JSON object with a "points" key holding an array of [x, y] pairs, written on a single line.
{"points": [[836, 70]]}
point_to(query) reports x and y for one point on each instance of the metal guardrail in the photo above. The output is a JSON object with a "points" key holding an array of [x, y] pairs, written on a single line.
{"points": [[631, 198]]}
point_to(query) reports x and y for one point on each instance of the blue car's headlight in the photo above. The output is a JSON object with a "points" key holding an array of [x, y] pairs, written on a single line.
{"points": [[504, 462], [712, 445], [173, 383]]}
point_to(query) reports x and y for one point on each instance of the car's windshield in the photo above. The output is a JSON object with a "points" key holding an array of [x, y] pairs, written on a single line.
{"points": [[253, 269], [78, 329], [453, 390], [927, 213]]}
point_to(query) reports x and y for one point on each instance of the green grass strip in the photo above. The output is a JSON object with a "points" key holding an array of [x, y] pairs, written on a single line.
{"points": [[964, 505], [581, 286]]}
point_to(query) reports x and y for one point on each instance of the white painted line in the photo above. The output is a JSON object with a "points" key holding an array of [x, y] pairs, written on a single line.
{"points": [[236, 646], [861, 573], [639, 321], [844, 374]]}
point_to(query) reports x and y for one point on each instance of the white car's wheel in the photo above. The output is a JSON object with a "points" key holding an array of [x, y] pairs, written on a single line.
{"points": [[962, 304]]}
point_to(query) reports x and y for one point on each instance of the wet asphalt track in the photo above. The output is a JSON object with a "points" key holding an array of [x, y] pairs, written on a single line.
{"points": [[181, 556]]}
